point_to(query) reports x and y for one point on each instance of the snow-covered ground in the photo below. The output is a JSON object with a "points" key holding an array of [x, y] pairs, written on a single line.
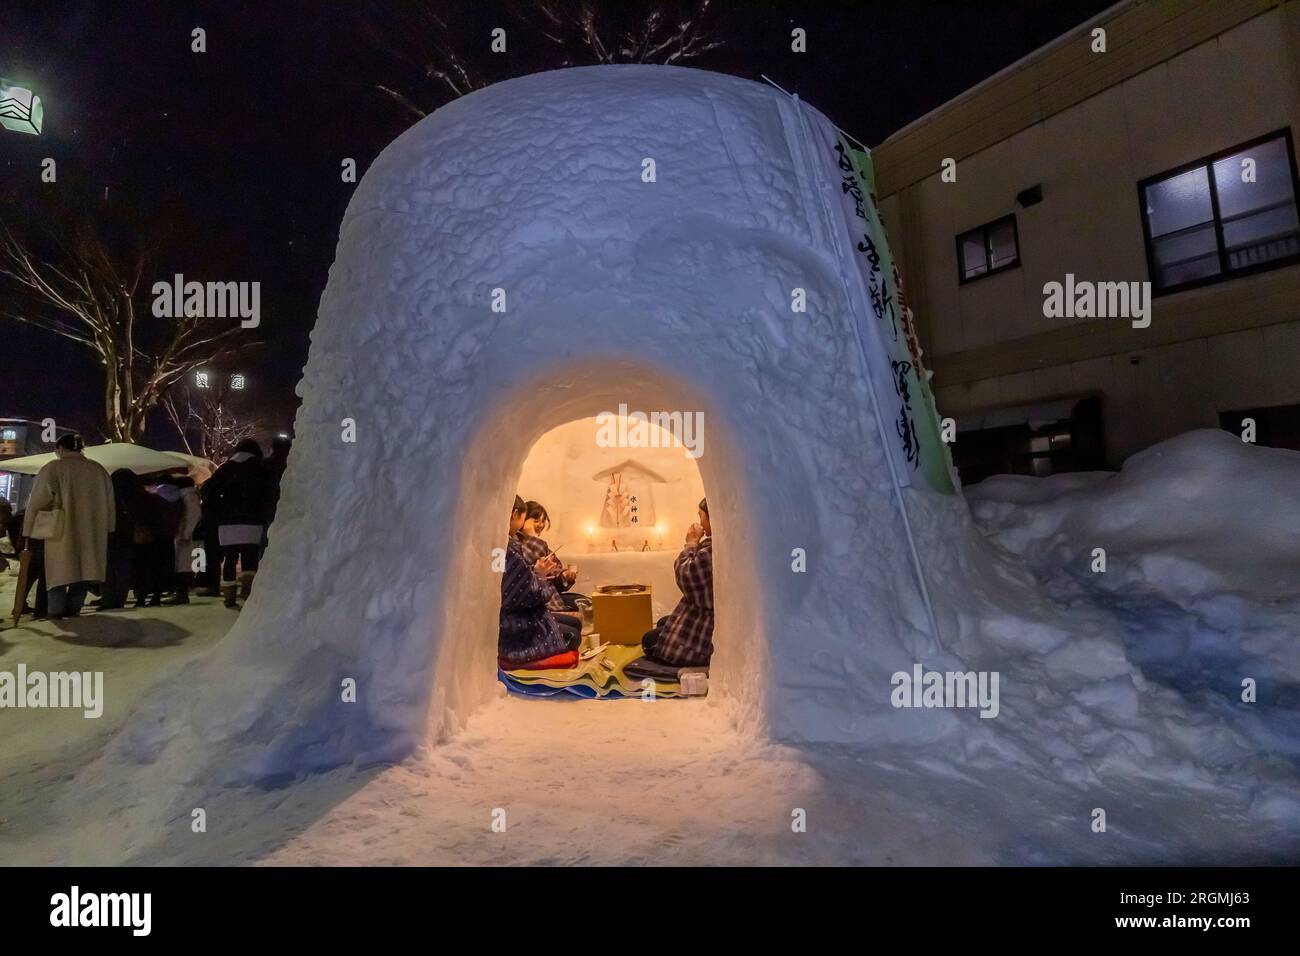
{"points": [[1202, 545], [40, 749], [1202, 583]]}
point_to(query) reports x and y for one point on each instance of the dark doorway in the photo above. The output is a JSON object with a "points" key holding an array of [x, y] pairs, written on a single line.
{"points": [[1276, 427], [1037, 440]]}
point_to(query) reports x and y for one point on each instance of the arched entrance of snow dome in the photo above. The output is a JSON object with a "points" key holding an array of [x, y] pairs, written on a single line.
{"points": [[523, 444]]}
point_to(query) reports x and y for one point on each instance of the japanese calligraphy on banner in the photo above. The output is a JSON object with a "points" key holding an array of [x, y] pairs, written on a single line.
{"points": [[888, 333]]}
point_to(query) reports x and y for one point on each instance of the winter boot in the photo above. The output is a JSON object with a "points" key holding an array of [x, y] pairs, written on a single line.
{"points": [[246, 583], [229, 591]]}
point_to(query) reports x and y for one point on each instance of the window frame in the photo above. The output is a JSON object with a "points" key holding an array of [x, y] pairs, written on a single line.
{"points": [[1225, 274], [986, 229]]}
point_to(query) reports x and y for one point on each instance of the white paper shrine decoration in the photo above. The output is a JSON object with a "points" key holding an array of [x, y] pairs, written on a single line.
{"points": [[629, 500]]}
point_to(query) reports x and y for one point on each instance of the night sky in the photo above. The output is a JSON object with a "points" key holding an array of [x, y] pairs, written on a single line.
{"points": [[230, 159]]}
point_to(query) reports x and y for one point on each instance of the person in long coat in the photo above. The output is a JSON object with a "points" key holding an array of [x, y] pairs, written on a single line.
{"points": [[78, 556], [238, 496]]}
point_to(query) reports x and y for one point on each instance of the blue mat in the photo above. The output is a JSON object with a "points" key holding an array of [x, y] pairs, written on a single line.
{"points": [[575, 690]]}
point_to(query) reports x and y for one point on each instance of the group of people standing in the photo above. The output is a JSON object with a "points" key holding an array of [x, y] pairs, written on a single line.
{"points": [[537, 603], [150, 542], [87, 530]]}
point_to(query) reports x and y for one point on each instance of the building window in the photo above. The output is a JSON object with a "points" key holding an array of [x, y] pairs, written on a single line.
{"points": [[1229, 214], [990, 248]]}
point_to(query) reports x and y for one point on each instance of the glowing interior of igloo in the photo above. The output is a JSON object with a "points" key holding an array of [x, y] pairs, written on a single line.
{"points": [[539, 441], [582, 478]]}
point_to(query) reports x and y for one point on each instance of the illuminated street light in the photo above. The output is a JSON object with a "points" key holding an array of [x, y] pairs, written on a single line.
{"points": [[21, 110]]}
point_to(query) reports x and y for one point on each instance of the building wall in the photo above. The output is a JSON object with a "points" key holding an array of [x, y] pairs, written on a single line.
{"points": [[1187, 79]]}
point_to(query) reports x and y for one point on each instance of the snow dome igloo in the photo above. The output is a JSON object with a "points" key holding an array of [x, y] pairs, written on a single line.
{"points": [[671, 294]]}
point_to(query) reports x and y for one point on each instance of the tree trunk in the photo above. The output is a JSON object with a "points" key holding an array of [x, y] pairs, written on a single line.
{"points": [[113, 403]]}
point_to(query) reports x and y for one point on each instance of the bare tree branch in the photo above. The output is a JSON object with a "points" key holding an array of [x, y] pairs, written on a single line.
{"points": [[209, 417], [403, 100], [440, 58], [83, 292]]}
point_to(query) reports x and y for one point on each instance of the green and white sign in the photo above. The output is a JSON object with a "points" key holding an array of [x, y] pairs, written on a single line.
{"points": [[889, 333], [20, 109]]}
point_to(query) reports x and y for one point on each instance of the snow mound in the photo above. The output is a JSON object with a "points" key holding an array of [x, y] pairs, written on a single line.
{"points": [[668, 294], [1202, 573], [1204, 513]]}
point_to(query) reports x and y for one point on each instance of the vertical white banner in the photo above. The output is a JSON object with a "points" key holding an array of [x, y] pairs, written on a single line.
{"points": [[888, 338], [872, 289]]}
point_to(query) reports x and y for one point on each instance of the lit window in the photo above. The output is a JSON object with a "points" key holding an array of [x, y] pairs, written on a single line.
{"points": [[1228, 214], [237, 382], [990, 248], [201, 379]]}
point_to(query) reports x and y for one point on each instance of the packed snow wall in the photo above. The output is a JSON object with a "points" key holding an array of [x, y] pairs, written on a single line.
{"points": [[665, 292]]}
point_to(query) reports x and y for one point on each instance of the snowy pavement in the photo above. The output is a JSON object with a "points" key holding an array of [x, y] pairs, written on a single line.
{"points": [[621, 782], [40, 749], [668, 783]]}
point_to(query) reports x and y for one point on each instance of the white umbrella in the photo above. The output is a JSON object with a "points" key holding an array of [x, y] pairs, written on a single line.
{"points": [[112, 456], [200, 469], [194, 461]]}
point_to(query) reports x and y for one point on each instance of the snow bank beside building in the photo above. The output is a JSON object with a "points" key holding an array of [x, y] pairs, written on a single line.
{"points": [[1202, 545], [1201, 514]]}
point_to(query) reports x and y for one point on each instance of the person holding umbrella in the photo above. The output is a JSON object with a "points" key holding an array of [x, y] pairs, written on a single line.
{"points": [[121, 543]]}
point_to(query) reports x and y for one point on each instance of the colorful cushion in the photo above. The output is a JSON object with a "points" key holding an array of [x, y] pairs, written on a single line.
{"points": [[560, 661]]}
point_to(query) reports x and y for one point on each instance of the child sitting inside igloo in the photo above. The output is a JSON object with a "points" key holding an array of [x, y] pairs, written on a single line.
{"points": [[528, 632], [685, 637], [563, 598]]}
